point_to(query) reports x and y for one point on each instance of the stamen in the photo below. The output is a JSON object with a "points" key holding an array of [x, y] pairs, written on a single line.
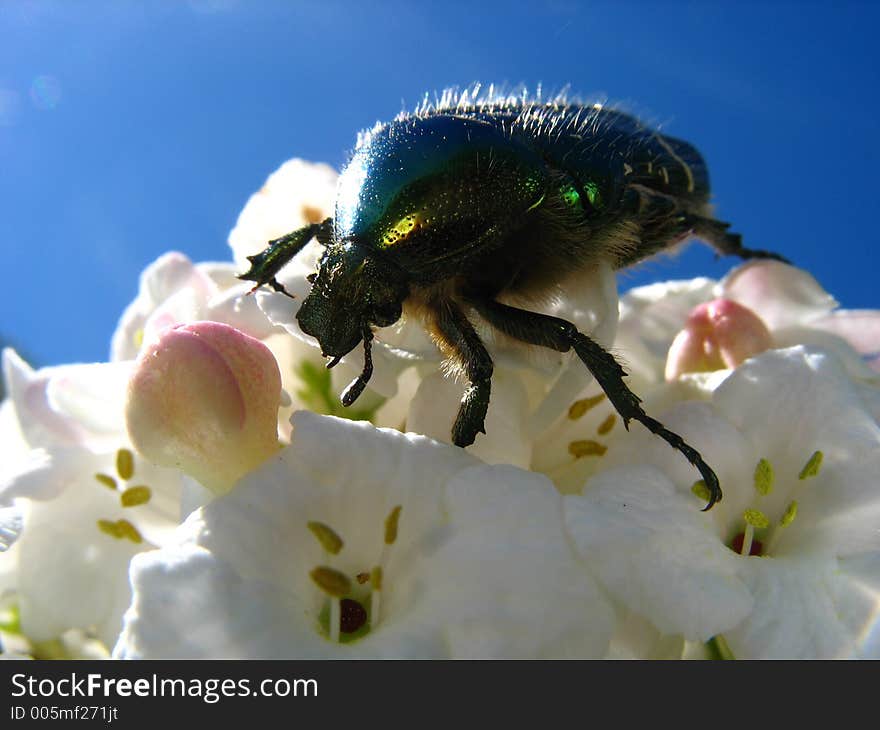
{"points": [[790, 514], [701, 490], [748, 536], [375, 595], [133, 496], [331, 581], [756, 518], [362, 578], [607, 425], [328, 538], [125, 464], [738, 543], [121, 530], [106, 480], [391, 523], [580, 407], [811, 468], [376, 576], [586, 447], [764, 477]]}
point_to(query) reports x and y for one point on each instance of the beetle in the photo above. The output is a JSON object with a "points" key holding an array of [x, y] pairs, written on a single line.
{"points": [[461, 201]]}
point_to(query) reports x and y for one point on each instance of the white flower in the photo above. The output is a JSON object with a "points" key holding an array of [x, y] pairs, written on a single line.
{"points": [[788, 301], [411, 548], [86, 502], [797, 455]]}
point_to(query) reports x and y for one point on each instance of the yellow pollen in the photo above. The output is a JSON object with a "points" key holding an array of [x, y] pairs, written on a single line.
{"points": [[106, 480], [580, 407], [121, 530], [138, 338], [331, 581], [587, 447], [701, 490], [811, 468], [328, 538], [764, 477], [124, 464], [756, 518], [790, 514], [133, 496], [391, 523], [607, 424], [362, 578], [376, 576]]}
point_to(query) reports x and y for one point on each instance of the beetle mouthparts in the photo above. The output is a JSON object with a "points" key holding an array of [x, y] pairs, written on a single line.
{"points": [[334, 362]]}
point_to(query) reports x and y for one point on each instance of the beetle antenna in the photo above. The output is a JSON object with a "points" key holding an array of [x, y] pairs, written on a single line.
{"points": [[356, 387]]}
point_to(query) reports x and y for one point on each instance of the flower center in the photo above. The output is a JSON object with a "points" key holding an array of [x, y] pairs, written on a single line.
{"points": [[352, 606], [760, 532], [129, 496]]}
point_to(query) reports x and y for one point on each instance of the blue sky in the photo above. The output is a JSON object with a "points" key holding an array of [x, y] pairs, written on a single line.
{"points": [[130, 129]]}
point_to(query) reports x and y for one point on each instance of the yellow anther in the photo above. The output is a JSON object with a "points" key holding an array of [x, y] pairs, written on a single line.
{"points": [[764, 477], [587, 447], [756, 518], [124, 464], [331, 581], [133, 496], [607, 424], [701, 490], [121, 530], [790, 514], [328, 538], [376, 576], [811, 468], [138, 338], [362, 578], [391, 523], [106, 480], [580, 407]]}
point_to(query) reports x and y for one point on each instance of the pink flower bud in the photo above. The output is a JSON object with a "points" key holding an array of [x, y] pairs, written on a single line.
{"points": [[717, 335], [204, 398]]}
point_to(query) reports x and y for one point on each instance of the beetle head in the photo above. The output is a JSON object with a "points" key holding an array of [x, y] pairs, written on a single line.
{"points": [[352, 290]]}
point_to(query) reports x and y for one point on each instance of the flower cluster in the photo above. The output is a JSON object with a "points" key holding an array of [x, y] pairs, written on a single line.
{"points": [[205, 494]]}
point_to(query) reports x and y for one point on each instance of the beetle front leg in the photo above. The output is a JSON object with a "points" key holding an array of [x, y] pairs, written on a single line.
{"points": [[460, 341], [561, 335], [266, 264]]}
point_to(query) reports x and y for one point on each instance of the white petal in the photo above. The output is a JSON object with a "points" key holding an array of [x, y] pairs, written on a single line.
{"points": [[806, 609], [656, 553], [435, 407], [507, 575], [780, 294]]}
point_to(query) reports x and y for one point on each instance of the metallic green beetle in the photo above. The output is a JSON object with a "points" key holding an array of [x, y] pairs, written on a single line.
{"points": [[449, 207]]}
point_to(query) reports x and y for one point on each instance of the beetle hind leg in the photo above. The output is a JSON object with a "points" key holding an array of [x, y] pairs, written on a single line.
{"points": [[561, 335]]}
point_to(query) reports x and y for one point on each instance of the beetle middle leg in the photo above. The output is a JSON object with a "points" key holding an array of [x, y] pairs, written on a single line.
{"points": [[459, 340], [561, 335]]}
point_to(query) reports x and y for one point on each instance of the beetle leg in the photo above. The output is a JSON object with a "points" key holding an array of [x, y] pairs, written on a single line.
{"points": [[356, 387], [266, 264], [561, 335], [460, 340]]}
